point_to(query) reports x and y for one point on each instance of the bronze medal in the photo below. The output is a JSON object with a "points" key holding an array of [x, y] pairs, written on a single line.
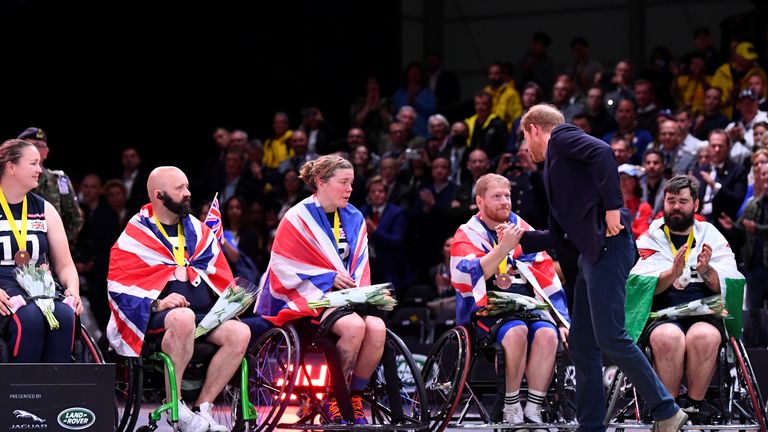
{"points": [[181, 274], [21, 258], [503, 281]]}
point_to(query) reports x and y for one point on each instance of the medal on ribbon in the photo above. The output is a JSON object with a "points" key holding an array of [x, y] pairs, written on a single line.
{"points": [[21, 257], [180, 273], [684, 278]]}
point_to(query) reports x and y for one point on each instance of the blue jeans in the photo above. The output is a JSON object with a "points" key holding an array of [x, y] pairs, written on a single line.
{"points": [[598, 327]]}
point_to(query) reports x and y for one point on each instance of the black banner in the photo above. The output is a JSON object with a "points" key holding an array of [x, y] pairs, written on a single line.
{"points": [[57, 397]]}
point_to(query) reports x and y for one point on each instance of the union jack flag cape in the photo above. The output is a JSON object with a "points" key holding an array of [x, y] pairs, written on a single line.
{"points": [[141, 263], [656, 256], [472, 242], [305, 259]]}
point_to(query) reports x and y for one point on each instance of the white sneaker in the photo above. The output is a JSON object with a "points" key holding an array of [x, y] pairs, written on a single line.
{"points": [[205, 412], [513, 414], [190, 421], [532, 413]]}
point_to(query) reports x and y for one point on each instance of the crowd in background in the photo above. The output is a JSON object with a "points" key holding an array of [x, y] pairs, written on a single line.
{"points": [[416, 156]]}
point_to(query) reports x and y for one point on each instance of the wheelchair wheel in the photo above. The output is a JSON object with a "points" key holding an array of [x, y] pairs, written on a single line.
{"points": [[228, 408], [84, 348], [272, 369], [128, 390], [748, 404], [445, 374], [397, 395]]}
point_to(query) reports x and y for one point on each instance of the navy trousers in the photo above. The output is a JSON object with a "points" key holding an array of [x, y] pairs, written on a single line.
{"points": [[598, 327]]}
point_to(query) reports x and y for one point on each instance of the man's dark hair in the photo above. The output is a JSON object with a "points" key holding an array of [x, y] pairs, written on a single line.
{"points": [[656, 152], [676, 184]]}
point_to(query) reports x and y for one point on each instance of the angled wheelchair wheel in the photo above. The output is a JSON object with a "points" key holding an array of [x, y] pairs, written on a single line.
{"points": [[747, 403], [84, 348], [128, 390], [445, 374], [396, 394], [273, 365]]}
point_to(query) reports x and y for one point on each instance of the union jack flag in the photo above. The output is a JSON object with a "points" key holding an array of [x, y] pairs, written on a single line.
{"points": [[471, 242], [305, 259], [141, 263], [213, 218]]}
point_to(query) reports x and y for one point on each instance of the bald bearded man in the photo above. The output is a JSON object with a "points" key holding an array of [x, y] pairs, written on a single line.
{"points": [[166, 271]]}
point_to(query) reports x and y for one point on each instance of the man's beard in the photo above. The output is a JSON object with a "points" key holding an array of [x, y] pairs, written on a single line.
{"points": [[181, 208], [678, 221], [499, 216]]}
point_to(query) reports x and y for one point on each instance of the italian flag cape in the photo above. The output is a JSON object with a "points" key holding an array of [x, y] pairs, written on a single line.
{"points": [[656, 256]]}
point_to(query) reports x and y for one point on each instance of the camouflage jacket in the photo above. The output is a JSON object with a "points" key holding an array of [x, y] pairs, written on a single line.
{"points": [[56, 188]]}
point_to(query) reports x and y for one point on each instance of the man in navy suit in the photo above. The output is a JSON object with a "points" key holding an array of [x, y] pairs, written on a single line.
{"points": [[386, 224], [582, 184]]}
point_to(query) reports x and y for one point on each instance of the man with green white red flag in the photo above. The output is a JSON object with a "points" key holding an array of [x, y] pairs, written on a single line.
{"points": [[683, 260]]}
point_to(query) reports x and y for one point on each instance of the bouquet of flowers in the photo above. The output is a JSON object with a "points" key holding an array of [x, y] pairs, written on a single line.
{"points": [[38, 283], [713, 305], [232, 302], [500, 302], [379, 295]]}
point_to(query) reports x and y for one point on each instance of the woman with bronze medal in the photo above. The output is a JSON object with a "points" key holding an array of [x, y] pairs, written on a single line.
{"points": [[31, 232]]}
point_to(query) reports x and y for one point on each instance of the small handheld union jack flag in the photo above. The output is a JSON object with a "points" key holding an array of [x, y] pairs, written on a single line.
{"points": [[213, 218]]}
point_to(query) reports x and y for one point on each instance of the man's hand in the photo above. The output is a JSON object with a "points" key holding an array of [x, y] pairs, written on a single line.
{"points": [[510, 237], [736, 133], [702, 262], [564, 336], [173, 300], [428, 199], [613, 224], [725, 221], [707, 178], [679, 263], [342, 281], [749, 225]]}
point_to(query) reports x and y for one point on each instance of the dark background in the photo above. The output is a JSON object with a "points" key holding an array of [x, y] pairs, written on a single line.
{"points": [[98, 76]]}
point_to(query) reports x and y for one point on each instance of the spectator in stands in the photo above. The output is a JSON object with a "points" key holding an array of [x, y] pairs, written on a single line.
{"points": [[532, 95], [397, 193], [90, 198], [536, 65], [505, 98], [676, 159], [740, 132], [300, 152], [444, 84], [757, 84], [564, 97], [703, 157], [445, 296], [690, 86], [712, 118], [619, 86], [457, 153], [654, 180], [371, 114], [581, 121], [733, 77], [291, 192], [239, 139], [684, 119], [529, 199], [237, 229], [750, 228], [416, 93], [723, 182], [584, 70], [660, 72], [647, 110], [640, 211], [397, 141], [758, 133], [409, 118], [235, 183], [320, 134], [387, 225], [754, 185], [486, 130], [132, 175], [622, 150], [438, 132], [463, 201], [705, 49], [276, 149], [600, 120], [626, 125]]}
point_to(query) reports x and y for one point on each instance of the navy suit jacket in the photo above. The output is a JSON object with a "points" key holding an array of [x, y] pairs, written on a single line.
{"points": [[582, 181], [388, 240]]}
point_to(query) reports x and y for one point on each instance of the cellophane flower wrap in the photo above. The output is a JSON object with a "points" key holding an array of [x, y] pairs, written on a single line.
{"points": [[231, 303], [713, 305], [379, 295], [501, 302], [38, 281]]}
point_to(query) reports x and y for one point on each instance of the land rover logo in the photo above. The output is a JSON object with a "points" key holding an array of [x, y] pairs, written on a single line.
{"points": [[76, 418]]}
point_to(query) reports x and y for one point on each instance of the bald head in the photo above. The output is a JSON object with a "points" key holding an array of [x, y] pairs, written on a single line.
{"points": [[168, 190]]}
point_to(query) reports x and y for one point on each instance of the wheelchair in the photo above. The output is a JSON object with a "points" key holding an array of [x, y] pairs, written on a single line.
{"points": [[140, 379], [283, 359], [733, 394], [453, 376]]}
